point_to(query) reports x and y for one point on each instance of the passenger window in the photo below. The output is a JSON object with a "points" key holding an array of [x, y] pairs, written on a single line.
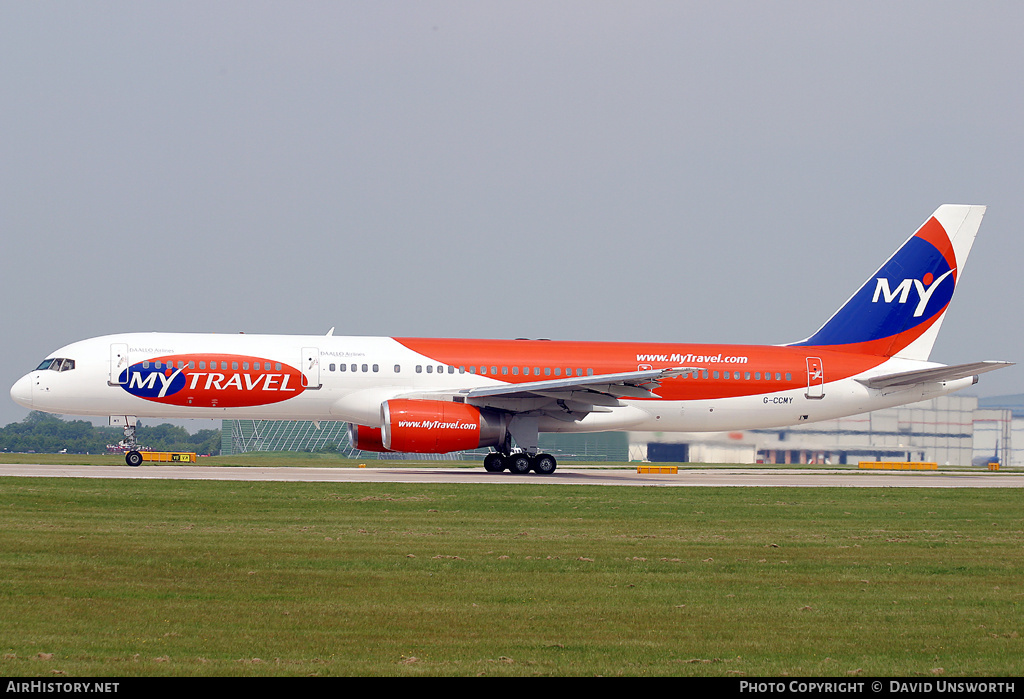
{"points": [[365, 368], [430, 369], [746, 376], [558, 371], [329, 366], [342, 367], [547, 371], [515, 371], [789, 377], [451, 370], [398, 369], [376, 368], [715, 375], [504, 371]]}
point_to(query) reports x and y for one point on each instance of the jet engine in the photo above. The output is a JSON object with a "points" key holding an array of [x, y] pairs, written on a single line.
{"points": [[365, 438], [438, 427]]}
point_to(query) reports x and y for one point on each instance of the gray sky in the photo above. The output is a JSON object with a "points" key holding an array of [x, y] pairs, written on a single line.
{"points": [[660, 171]]}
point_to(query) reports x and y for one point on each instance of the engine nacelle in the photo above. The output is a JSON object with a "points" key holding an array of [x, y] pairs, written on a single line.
{"points": [[365, 438], [438, 427]]}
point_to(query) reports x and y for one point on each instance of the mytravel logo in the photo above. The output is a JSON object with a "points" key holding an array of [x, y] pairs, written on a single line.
{"points": [[925, 288], [212, 380]]}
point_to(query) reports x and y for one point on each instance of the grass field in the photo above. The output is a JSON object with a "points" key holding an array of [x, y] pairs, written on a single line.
{"points": [[125, 578]]}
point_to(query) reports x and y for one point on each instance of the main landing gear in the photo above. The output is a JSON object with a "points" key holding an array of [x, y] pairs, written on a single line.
{"points": [[520, 463]]}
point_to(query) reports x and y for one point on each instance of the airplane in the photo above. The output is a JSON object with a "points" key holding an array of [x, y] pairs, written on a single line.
{"points": [[433, 396]]}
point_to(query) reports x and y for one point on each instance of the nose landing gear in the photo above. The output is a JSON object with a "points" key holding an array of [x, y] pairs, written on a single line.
{"points": [[130, 444]]}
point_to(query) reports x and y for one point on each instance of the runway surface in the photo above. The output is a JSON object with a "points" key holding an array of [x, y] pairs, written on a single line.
{"points": [[734, 477]]}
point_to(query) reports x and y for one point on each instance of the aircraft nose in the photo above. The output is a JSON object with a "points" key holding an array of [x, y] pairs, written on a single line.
{"points": [[21, 391]]}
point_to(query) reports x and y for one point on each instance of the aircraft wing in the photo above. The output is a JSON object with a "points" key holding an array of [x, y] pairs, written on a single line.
{"points": [[570, 398], [933, 375], [630, 384]]}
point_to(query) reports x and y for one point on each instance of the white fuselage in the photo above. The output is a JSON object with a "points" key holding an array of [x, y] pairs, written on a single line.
{"points": [[325, 378]]}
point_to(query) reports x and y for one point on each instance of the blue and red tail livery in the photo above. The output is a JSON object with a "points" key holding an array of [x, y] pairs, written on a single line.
{"points": [[429, 395], [909, 294]]}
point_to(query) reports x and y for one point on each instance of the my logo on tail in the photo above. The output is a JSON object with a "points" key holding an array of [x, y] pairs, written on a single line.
{"points": [[925, 289]]}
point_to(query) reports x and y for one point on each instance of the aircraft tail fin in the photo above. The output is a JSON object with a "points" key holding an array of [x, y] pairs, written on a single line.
{"points": [[899, 309]]}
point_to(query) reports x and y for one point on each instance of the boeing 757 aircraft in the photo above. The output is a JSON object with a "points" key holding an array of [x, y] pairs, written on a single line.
{"points": [[432, 396]]}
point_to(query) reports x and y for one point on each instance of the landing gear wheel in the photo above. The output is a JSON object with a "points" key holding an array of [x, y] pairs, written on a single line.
{"points": [[494, 462], [519, 463], [544, 464], [133, 458]]}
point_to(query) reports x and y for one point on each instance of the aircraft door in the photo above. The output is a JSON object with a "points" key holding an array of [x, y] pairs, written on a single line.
{"points": [[118, 364], [310, 367], [815, 378]]}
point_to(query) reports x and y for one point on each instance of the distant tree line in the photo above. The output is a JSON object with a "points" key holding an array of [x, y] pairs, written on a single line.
{"points": [[49, 434]]}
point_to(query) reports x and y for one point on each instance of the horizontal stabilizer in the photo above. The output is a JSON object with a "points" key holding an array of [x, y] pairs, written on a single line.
{"points": [[933, 375]]}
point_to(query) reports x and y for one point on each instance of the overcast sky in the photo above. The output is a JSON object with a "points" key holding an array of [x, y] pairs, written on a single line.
{"points": [[659, 171]]}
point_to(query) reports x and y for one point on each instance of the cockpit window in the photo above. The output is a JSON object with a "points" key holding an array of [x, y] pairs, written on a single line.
{"points": [[57, 364]]}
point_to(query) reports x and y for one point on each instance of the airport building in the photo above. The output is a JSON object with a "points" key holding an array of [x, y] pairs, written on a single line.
{"points": [[951, 430]]}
